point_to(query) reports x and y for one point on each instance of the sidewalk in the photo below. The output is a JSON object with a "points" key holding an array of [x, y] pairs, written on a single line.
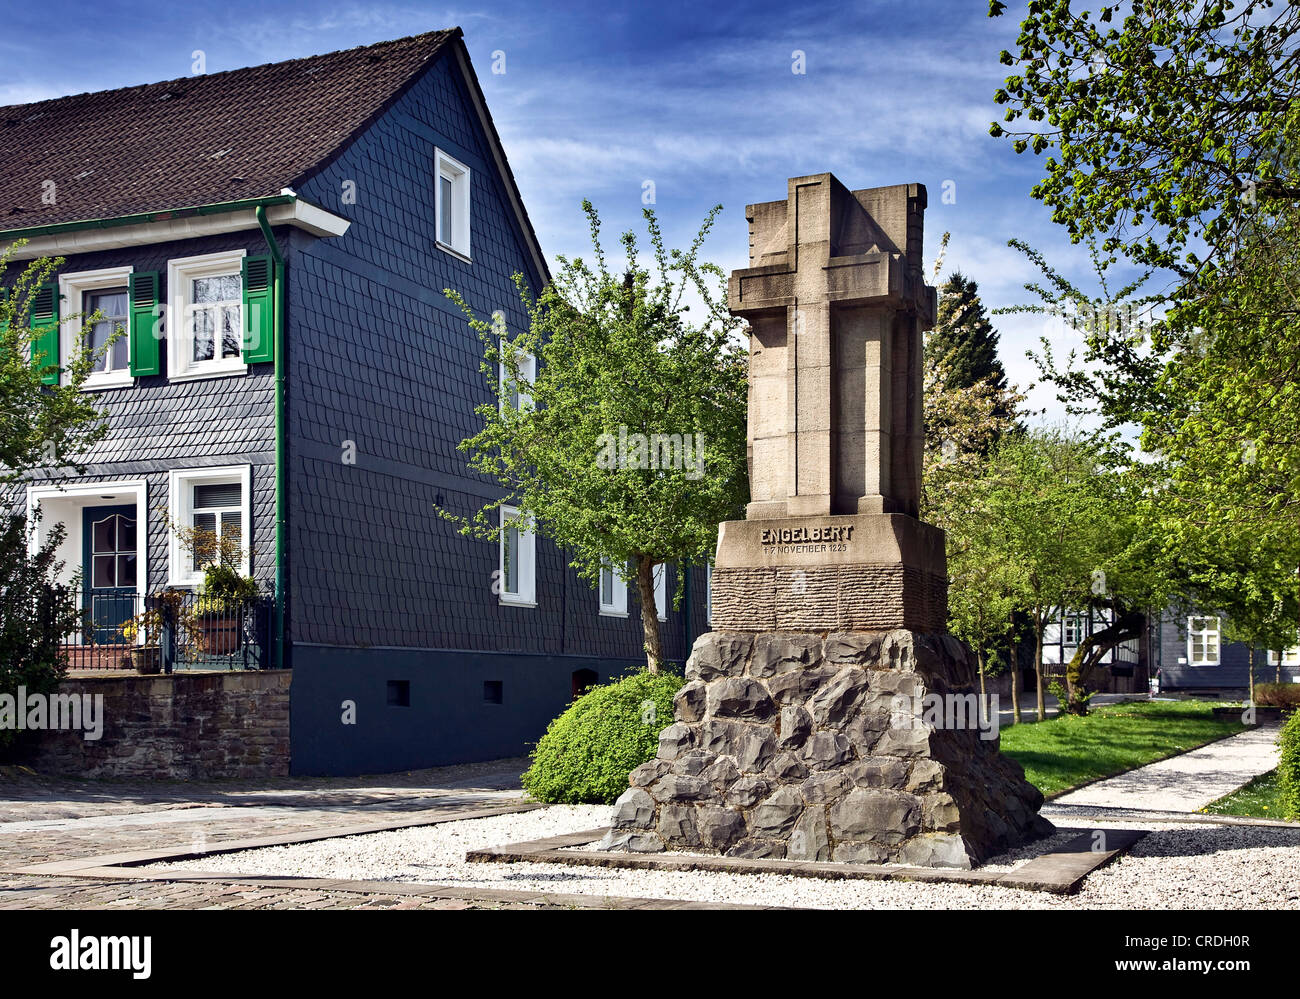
{"points": [[1185, 783]]}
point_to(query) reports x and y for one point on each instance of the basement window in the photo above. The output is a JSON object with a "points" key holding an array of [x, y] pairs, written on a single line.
{"points": [[399, 693]]}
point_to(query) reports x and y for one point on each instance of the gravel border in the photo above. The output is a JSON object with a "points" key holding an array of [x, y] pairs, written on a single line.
{"points": [[1177, 866]]}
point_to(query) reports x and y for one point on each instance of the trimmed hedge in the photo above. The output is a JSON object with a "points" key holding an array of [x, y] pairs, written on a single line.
{"points": [[1288, 768], [588, 752], [1277, 695]]}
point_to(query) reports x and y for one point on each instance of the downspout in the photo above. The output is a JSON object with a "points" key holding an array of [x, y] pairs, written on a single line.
{"points": [[281, 327]]}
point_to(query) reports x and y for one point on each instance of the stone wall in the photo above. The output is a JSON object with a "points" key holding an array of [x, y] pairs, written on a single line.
{"points": [[185, 726]]}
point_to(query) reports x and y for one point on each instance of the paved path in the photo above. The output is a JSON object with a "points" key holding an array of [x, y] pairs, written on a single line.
{"points": [[45, 819], [1185, 783]]}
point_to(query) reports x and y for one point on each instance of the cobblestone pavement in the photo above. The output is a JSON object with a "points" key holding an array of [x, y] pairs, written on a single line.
{"points": [[25, 892], [46, 819]]}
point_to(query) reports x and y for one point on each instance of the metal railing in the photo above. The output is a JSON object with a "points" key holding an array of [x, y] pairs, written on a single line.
{"points": [[181, 631]]}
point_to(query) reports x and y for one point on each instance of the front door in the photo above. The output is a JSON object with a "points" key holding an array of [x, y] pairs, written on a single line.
{"points": [[109, 567]]}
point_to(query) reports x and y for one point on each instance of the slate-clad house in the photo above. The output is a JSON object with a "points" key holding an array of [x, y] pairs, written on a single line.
{"points": [[1194, 652], [277, 240]]}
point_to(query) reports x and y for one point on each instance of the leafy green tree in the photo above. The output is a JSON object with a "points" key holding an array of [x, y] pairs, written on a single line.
{"points": [[627, 446], [45, 431], [42, 427], [1049, 502], [1167, 122], [1172, 130]]}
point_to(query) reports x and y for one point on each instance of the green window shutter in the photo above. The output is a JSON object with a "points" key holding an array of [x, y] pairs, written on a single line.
{"points": [[4, 323], [45, 319], [261, 313], [144, 316]]}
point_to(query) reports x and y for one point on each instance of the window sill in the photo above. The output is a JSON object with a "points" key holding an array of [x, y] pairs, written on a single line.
{"points": [[452, 251], [98, 384], [505, 602], [612, 613], [195, 375]]}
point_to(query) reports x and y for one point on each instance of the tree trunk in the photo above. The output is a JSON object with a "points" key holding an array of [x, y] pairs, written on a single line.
{"points": [[1038, 666], [645, 585], [1078, 672], [1015, 676], [1250, 662]]}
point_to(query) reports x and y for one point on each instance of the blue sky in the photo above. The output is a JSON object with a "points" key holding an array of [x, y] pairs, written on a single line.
{"points": [[699, 98]]}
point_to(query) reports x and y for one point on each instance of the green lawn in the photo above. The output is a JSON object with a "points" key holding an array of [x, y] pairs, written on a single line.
{"points": [[1066, 751], [1256, 800]]}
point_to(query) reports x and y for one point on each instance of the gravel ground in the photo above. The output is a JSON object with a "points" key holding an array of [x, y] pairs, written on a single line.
{"points": [[1180, 866]]}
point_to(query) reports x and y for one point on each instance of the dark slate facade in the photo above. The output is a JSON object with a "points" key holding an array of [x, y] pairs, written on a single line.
{"points": [[157, 426], [382, 589], [1231, 674]]}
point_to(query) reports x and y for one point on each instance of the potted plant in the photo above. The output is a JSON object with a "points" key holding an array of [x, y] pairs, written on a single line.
{"points": [[146, 657], [218, 613]]}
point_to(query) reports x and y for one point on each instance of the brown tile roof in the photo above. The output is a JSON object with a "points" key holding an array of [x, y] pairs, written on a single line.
{"points": [[199, 140]]}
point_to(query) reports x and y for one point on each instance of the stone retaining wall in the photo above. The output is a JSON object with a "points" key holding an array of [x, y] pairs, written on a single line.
{"points": [[185, 726]]}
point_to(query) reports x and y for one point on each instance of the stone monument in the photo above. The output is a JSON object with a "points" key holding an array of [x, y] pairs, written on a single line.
{"points": [[828, 716]]}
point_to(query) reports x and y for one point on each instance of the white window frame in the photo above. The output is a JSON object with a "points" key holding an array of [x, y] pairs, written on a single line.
{"points": [[72, 290], [180, 341], [180, 507], [1205, 634], [1076, 623], [617, 607], [527, 370], [459, 174], [1290, 656], [527, 595], [661, 591]]}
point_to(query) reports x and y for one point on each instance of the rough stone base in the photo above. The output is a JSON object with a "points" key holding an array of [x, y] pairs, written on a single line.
{"points": [[861, 747]]}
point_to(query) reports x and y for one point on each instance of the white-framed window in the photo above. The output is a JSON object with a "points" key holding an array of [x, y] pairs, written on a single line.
{"points": [[613, 593], [85, 293], [661, 591], [511, 396], [1073, 629], [205, 320], [211, 499], [1289, 657], [1203, 641], [451, 202], [518, 560]]}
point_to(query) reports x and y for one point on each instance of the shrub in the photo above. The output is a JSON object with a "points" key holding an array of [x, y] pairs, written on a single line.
{"points": [[36, 613], [588, 752], [1278, 695], [1288, 768]]}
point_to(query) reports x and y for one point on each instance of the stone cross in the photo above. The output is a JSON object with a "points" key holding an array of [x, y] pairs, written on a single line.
{"points": [[836, 302], [801, 732]]}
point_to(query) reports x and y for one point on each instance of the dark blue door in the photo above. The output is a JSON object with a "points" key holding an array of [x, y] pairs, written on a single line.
{"points": [[109, 566]]}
